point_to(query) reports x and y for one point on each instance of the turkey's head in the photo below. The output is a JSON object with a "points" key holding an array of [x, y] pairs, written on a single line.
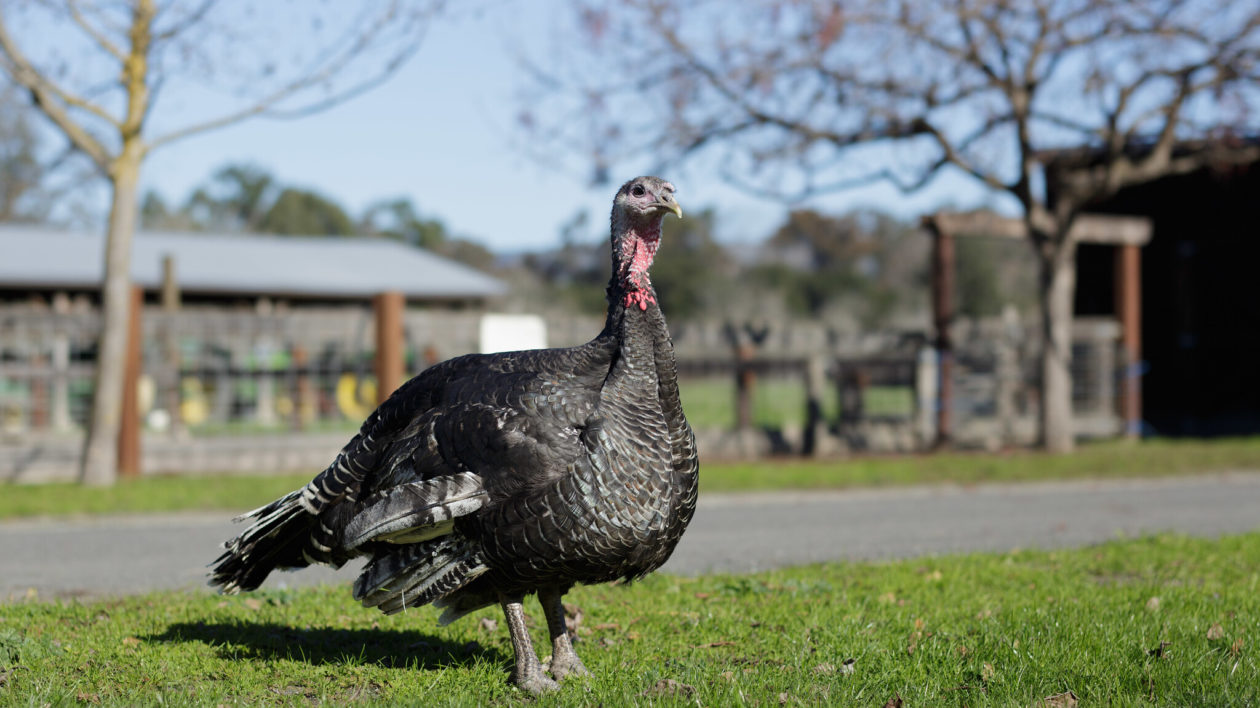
{"points": [[638, 210]]}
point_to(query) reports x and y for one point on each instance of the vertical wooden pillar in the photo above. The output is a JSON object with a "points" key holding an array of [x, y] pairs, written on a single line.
{"points": [[301, 392], [1128, 290], [129, 428], [745, 385], [170, 308], [815, 421], [389, 308], [942, 317]]}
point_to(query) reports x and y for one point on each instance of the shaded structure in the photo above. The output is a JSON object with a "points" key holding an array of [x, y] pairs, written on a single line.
{"points": [[1122, 236], [1200, 311]]}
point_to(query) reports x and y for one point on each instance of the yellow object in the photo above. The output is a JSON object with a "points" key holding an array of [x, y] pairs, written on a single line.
{"points": [[355, 399]]}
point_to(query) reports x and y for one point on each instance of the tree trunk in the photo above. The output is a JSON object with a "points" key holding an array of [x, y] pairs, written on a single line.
{"points": [[99, 464], [1057, 291]]}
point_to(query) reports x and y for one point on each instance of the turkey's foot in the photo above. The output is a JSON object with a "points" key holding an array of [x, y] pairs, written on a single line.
{"points": [[534, 682], [563, 665]]}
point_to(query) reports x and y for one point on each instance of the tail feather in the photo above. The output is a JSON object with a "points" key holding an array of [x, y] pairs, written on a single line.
{"points": [[418, 574], [275, 540]]}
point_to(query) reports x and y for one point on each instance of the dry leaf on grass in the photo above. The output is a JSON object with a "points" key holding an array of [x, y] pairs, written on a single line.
{"points": [[487, 624], [987, 672], [1236, 648], [130, 642], [1216, 631], [670, 687], [1152, 604], [894, 702], [825, 669], [252, 603], [1067, 699]]}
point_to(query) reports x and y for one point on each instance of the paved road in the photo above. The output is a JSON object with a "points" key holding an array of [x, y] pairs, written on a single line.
{"points": [[730, 533]]}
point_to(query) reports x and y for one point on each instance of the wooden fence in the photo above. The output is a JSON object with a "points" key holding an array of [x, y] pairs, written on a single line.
{"points": [[211, 379]]}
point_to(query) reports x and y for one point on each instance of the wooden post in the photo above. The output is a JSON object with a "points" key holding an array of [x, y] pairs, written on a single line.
{"points": [[129, 429], [854, 380], [301, 392], [942, 317], [815, 421], [389, 308], [1128, 290], [170, 308], [61, 367]]}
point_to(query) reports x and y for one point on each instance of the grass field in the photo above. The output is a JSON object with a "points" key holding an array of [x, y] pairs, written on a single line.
{"points": [[1151, 458], [777, 402], [1165, 620]]}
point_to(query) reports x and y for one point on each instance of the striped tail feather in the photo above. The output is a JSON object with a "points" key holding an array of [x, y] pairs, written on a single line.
{"points": [[418, 574], [288, 532], [275, 540]]}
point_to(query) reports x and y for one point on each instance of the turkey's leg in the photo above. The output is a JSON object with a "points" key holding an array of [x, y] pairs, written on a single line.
{"points": [[564, 661], [527, 673]]}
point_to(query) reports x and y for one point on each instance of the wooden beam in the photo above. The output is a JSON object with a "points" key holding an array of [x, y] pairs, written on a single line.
{"points": [[129, 429], [1128, 293], [942, 318], [1087, 228], [389, 308]]}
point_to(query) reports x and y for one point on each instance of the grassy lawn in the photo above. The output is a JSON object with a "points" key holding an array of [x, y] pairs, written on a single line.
{"points": [[710, 402], [1151, 458], [1169, 620]]}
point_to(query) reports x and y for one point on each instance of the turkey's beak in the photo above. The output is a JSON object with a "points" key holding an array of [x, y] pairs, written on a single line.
{"points": [[668, 203]]}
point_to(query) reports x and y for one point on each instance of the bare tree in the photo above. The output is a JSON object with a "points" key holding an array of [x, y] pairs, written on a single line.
{"points": [[794, 98], [102, 81]]}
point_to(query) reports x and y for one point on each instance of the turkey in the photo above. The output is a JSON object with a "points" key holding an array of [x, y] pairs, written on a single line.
{"points": [[490, 477]]}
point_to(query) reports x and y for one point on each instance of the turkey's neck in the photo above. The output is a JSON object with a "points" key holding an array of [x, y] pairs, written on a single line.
{"points": [[634, 317], [634, 248]]}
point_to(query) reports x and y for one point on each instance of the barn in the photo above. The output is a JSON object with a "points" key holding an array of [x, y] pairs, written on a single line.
{"points": [[237, 335]]}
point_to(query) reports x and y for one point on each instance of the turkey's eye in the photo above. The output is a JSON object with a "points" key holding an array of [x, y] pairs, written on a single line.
{"points": [[638, 190]]}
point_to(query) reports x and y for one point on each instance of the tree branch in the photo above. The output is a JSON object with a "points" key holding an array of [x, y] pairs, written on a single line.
{"points": [[331, 67], [90, 30], [51, 100]]}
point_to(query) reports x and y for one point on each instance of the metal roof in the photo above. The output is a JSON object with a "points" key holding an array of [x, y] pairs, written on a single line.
{"points": [[302, 266]]}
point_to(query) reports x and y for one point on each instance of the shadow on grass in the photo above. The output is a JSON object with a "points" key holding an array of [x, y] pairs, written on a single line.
{"points": [[326, 645]]}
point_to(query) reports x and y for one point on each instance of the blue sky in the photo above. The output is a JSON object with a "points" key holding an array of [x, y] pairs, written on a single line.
{"points": [[442, 131]]}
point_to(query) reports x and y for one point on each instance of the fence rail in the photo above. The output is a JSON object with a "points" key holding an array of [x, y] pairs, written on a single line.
{"points": [[212, 376]]}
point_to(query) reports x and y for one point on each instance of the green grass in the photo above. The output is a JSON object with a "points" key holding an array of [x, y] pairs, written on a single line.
{"points": [[1106, 460], [1099, 460], [710, 402], [967, 630]]}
